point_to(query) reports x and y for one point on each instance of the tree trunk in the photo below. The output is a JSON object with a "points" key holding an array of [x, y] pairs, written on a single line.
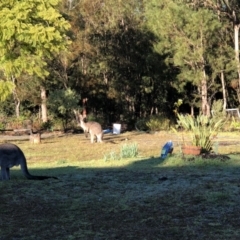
{"points": [[44, 105], [204, 93], [224, 91], [16, 99], [236, 44], [192, 110], [17, 108], [17, 103]]}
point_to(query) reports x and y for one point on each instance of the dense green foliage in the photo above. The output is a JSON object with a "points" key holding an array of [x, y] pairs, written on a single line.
{"points": [[127, 60], [61, 103], [31, 31]]}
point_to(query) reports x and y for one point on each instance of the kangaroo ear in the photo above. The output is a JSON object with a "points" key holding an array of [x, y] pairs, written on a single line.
{"points": [[76, 112]]}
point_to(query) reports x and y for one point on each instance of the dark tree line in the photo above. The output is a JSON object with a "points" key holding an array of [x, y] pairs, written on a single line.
{"points": [[125, 60]]}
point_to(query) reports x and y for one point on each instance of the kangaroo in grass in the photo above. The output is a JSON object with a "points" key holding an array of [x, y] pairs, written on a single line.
{"points": [[93, 128], [11, 155]]}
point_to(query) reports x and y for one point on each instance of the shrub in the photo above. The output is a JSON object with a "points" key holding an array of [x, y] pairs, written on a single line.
{"points": [[3, 122], [2, 126], [47, 125], [140, 125], [217, 109], [15, 123], [126, 151], [157, 123], [129, 151], [235, 125]]}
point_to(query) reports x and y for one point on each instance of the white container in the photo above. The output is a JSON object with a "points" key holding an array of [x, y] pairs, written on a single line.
{"points": [[116, 128]]}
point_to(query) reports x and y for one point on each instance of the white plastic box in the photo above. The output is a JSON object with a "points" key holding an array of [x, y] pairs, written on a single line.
{"points": [[116, 128]]}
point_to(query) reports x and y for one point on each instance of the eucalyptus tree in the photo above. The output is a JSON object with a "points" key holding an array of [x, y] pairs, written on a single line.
{"points": [[31, 33], [230, 9], [75, 68], [189, 35], [114, 65], [228, 12], [136, 76]]}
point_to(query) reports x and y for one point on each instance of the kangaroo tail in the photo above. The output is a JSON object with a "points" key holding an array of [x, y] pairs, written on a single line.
{"points": [[31, 177], [25, 171]]}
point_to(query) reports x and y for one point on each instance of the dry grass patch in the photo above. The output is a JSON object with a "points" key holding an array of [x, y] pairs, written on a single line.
{"points": [[142, 198]]}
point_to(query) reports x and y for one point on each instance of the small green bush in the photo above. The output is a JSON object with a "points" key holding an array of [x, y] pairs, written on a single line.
{"points": [[129, 151], [157, 123], [140, 125], [47, 125], [235, 125], [217, 110], [15, 123], [126, 151], [2, 126]]}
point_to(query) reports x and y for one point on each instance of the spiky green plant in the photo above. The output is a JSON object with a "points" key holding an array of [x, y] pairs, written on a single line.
{"points": [[129, 150], [202, 129]]}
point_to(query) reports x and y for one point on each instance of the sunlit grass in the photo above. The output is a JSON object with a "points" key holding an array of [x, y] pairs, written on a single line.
{"points": [[77, 151], [179, 197]]}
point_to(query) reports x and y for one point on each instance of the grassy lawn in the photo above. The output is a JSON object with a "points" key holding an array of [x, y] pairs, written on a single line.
{"points": [[142, 198]]}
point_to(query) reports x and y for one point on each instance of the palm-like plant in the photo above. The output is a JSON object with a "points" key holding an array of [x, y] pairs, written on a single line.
{"points": [[203, 129]]}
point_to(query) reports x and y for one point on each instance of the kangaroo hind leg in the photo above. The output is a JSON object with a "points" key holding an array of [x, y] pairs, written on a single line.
{"points": [[5, 172], [100, 137], [86, 134], [92, 137]]}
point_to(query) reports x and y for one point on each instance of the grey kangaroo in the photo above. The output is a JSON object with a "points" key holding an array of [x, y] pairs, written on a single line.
{"points": [[11, 155], [93, 128]]}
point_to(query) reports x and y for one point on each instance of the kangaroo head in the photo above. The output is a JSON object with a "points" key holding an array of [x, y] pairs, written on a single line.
{"points": [[82, 117], [79, 117]]}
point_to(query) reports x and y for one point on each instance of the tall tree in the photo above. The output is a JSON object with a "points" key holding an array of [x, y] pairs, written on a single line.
{"points": [[31, 32], [189, 34], [231, 10], [113, 52], [228, 12]]}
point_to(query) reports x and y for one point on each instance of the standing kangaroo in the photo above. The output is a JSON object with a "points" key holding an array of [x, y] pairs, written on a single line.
{"points": [[93, 128], [11, 155]]}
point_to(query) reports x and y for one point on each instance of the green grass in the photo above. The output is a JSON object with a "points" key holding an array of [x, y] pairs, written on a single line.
{"points": [[133, 198]]}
